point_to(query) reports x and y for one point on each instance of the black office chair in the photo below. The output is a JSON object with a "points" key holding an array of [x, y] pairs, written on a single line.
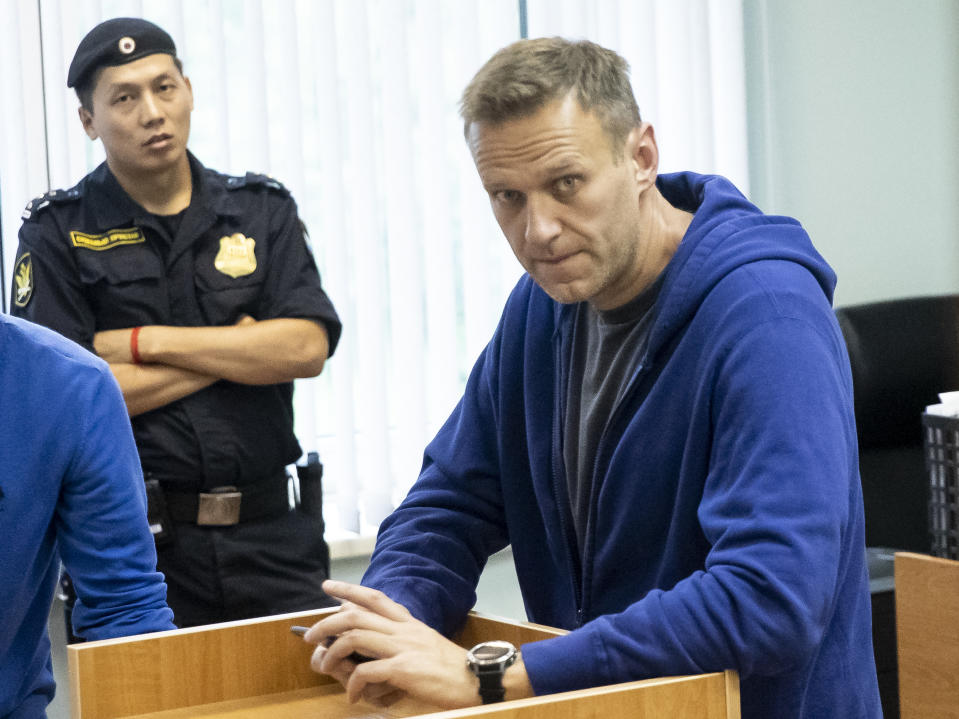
{"points": [[903, 353]]}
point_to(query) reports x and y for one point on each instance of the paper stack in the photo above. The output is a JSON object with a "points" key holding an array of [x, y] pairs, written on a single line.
{"points": [[948, 405]]}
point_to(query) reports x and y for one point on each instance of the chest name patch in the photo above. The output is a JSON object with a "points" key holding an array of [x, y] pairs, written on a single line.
{"points": [[113, 238]]}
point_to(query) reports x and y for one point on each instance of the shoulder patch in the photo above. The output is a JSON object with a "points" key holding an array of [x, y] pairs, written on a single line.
{"points": [[252, 179], [23, 279], [53, 197], [113, 238]]}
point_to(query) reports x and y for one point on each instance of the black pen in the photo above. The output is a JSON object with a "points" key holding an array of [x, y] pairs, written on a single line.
{"points": [[354, 657]]}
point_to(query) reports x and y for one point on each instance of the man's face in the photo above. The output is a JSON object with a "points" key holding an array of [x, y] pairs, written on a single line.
{"points": [[568, 207], [141, 112]]}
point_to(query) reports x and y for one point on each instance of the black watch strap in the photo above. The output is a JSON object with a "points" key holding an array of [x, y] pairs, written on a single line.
{"points": [[491, 687]]}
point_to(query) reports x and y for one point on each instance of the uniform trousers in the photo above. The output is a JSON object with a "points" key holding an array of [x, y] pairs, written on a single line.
{"points": [[269, 565]]}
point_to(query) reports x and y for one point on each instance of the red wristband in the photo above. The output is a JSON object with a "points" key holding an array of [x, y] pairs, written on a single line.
{"points": [[134, 345]]}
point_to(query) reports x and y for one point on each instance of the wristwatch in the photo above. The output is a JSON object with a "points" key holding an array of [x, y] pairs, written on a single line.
{"points": [[488, 661]]}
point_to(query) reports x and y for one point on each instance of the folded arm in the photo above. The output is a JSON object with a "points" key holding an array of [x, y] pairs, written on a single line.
{"points": [[249, 352], [267, 352], [146, 387]]}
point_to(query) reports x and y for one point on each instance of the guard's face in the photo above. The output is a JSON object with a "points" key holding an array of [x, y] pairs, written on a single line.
{"points": [[568, 207], [141, 112]]}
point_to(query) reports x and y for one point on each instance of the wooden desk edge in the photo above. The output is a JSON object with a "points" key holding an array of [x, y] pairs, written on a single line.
{"points": [[277, 618], [483, 625], [730, 680], [312, 615]]}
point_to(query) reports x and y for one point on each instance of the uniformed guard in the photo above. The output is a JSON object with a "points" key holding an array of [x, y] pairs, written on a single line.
{"points": [[200, 291]]}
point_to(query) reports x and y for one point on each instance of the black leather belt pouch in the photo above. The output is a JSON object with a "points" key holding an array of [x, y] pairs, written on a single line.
{"points": [[161, 526], [310, 476]]}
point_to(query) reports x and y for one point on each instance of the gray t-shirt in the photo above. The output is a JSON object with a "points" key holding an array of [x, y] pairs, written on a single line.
{"points": [[606, 351]]}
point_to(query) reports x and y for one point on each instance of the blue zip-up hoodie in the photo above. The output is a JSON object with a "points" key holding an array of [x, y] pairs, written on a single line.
{"points": [[725, 526]]}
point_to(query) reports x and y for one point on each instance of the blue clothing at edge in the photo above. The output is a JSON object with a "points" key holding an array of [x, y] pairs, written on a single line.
{"points": [[725, 526], [70, 487]]}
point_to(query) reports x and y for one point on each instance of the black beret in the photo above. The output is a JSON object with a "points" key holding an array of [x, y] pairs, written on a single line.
{"points": [[117, 42]]}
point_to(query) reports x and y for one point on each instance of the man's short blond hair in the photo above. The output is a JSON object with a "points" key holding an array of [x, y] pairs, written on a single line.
{"points": [[527, 75]]}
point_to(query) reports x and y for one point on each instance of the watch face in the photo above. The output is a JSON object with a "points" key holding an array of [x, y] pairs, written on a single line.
{"points": [[491, 653]]}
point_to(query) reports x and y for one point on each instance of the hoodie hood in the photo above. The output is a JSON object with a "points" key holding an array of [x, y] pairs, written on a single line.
{"points": [[726, 233]]}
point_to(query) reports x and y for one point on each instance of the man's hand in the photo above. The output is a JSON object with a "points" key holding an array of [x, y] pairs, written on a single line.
{"points": [[114, 346], [408, 657]]}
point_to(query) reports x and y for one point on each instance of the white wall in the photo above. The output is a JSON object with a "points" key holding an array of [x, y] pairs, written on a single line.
{"points": [[854, 129]]}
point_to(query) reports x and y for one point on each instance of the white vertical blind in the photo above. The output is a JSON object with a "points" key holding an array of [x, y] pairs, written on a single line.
{"points": [[353, 105], [22, 148]]}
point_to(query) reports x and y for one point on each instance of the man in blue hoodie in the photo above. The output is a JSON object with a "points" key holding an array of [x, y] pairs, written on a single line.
{"points": [[661, 427]]}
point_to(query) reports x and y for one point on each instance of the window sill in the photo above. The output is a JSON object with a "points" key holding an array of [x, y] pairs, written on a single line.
{"points": [[345, 545]]}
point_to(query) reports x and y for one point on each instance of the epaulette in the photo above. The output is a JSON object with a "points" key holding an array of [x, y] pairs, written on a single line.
{"points": [[35, 206], [252, 179]]}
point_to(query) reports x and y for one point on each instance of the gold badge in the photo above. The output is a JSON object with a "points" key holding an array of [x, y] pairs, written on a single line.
{"points": [[23, 276], [236, 257], [113, 238]]}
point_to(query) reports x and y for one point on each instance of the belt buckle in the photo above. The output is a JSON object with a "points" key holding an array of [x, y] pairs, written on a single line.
{"points": [[219, 507]]}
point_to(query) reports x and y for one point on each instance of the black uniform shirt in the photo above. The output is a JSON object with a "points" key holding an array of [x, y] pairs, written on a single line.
{"points": [[92, 259]]}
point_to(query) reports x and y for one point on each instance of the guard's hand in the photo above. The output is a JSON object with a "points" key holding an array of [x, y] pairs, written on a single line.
{"points": [[113, 346], [408, 657]]}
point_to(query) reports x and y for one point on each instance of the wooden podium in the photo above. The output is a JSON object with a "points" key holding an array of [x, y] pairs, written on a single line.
{"points": [[258, 669], [927, 628]]}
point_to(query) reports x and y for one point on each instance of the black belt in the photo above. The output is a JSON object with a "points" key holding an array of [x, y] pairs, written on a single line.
{"points": [[226, 506]]}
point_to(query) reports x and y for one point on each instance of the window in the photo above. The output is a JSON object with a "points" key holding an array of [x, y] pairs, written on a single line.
{"points": [[353, 105]]}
